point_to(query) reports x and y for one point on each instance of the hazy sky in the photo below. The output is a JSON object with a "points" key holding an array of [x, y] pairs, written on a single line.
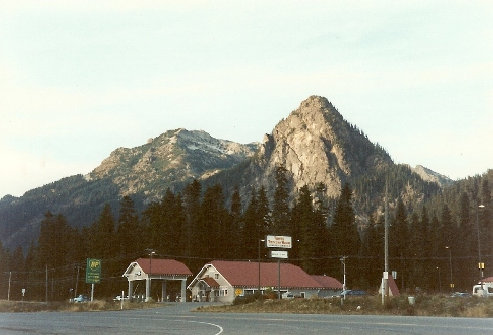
{"points": [[79, 79]]}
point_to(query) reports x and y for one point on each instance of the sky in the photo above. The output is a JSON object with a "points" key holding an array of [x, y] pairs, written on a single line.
{"points": [[79, 79]]}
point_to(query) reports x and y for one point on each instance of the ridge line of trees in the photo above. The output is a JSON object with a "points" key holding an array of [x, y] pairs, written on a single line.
{"points": [[194, 226]]}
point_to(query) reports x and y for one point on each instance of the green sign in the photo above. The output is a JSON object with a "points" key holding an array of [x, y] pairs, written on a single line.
{"points": [[93, 271]]}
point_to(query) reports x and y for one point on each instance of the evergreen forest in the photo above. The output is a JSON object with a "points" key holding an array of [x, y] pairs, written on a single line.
{"points": [[432, 244]]}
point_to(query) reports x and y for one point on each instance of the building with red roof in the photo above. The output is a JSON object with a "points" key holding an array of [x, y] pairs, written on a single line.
{"points": [[222, 281], [157, 269], [331, 285]]}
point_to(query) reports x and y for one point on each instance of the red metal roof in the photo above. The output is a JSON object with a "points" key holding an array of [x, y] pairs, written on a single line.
{"points": [[393, 286], [245, 274], [328, 282], [162, 266], [210, 282]]}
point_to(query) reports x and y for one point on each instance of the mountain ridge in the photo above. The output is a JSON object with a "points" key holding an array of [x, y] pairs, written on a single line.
{"points": [[314, 143]]}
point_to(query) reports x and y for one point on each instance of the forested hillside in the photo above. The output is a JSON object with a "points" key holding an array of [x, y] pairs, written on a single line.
{"points": [[432, 242]]}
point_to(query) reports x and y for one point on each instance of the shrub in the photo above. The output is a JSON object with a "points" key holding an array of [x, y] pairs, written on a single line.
{"points": [[247, 299]]}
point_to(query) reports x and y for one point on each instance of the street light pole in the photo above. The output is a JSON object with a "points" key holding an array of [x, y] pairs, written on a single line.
{"points": [[259, 267], [149, 279], [343, 261], [450, 261]]}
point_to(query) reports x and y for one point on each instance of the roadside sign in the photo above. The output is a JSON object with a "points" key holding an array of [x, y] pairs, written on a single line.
{"points": [[93, 271], [278, 241], [278, 254]]}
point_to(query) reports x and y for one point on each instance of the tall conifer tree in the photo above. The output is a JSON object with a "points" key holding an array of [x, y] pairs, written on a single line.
{"points": [[280, 210]]}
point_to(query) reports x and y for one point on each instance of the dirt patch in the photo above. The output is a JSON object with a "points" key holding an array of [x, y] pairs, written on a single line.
{"points": [[424, 305]]}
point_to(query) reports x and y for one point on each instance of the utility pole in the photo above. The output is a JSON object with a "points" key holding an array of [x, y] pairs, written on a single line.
{"points": [[46, 284], [8, 293], [385, 280], [259, 286], [480, 263], [77, 281]]}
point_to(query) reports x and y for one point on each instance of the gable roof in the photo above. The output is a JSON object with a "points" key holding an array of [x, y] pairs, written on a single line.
{"points": [[393, 286], [162, 266], [245, 274], [328, 282], [210, 282]]}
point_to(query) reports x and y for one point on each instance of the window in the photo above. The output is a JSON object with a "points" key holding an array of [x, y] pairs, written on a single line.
{"points": [[216, 276]]}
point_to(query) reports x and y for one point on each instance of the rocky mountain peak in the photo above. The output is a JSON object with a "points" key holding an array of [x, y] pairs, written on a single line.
{"points": [[316, 145], [432, 176], [174, 156]]}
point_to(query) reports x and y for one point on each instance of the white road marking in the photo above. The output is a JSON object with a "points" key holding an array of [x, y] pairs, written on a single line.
{"points": [[207, 323]]}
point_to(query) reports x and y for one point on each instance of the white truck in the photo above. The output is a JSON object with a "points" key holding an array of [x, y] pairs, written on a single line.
{"points": [[484, 290]]}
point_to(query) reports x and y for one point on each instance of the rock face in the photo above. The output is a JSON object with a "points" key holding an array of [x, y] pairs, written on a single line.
{"points": [[316, 145], [175, 156], [432, 176]]}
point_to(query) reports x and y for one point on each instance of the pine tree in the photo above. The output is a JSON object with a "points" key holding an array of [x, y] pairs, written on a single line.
{"points": [[233, 244], [486, 223], [448, 228], [103, 243], [264, 213], [343, 231], [373, 252], [164, 224], [52, 242], [191, 204], [250, 235], [280, 211], [129, 232], [399, 237], [212, 223], [427, 249], [309, 225]]}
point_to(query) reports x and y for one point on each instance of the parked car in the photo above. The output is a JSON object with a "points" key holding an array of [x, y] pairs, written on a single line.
{"points": [[287, 295], [118, 298], [81, 298], [353, 293], [484, 290], [461, 295]]}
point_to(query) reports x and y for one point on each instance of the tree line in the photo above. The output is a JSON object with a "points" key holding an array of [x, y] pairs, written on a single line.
{"points": [[431, 245]]}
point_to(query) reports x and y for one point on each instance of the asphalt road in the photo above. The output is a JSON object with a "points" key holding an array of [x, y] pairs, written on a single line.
{"points": [[179, 319]]}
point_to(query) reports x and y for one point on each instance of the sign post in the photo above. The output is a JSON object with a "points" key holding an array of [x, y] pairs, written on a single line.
{"points": [[93, 273], [278, 242]]}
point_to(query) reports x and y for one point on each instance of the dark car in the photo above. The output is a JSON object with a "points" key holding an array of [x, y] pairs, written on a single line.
{"points": [[353, 293]]}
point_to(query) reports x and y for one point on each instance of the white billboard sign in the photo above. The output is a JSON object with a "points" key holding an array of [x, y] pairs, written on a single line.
{"points": [[279, 254], [278, 241]]}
